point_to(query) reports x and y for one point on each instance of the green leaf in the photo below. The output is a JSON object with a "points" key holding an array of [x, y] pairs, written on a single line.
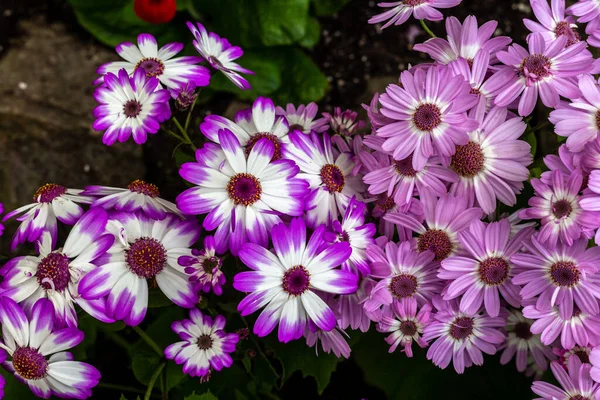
{"points": [[312, 33], [282, 21], [529, 137], [205, 396], [89, 326], [144, 364], [303, 82], [328, 7]]}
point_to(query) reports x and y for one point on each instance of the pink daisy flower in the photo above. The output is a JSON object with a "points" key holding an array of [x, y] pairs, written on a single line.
{"points": [[545, 71], [204, 267], [400, 11], [461, 337], [566, 162], [332, 341], [565, 356], [552, 21], [576, 383], [591, 200], [344, 123], [302, 118], [350, 311], [595, 361], [405, 326], [590, 157]]}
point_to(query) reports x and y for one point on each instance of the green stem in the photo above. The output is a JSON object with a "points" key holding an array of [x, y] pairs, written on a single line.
{"points": [[121, 388], [261, 352], [189, 115], [184, 133], [153, 381], [149, 341], [118, 340], [176, 136], [424, 25]]}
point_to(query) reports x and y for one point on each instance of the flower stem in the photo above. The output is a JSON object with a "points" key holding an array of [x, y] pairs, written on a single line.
{"points": [[189, 115], [176, 136], [153, 381], [149, 341], [184, 133], [426, 28]]}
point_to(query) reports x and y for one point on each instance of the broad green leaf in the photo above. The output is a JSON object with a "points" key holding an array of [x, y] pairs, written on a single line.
{"points": [[529, 137], [302, 81], [144, 364], [205, 396], [312, 34], [328, 7], [282, 21]]}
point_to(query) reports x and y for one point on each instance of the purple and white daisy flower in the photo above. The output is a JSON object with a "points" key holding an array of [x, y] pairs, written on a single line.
{"points": [[576, 383], [302, 118], [332, 341], [157, 63], [138, 195], [406, 275], [493, 164], [145, 252], [444, 219], [285, 281], [464, 41], [350, 311], [37, 352], [578, 328], [524, 344], [559, 275], [55, 274], [51, 202], [204, 267], [558, 207], [429, 113], [579, 121], [483, 272], [400, 11], [359, 235], [580, 352], [129, 106], [219, 53], [405, 326], [329, 175], [204, 347], [344, 123], [461, 337], [552, 21], [250, 126], [242, 195], [545, 71]]}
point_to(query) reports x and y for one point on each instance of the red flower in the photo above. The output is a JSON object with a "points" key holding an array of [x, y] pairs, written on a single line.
{"points": [[155, 11]]}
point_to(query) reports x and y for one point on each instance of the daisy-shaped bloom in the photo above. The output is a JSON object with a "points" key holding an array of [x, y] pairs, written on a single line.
{"points": [[578, 328], [579, 121], [576, 383], [429, 115], [493, 164], [565, 356], [353, 230], [204, 267], [302, 118], [184, 96], [129, 106], [590, 157], [522, 343], [400, 11], [546, 71], [586, 10], [444, 219], [55, 274], [51, 202], [251, 125], [219, 53], [405, 326], [552, 21], [350, 311], [138, 195], [242, 195], [332, 341], [284, 282], [157, 63], [483, 273], [204, 345], [461, 337], [464, 41], [328, 173], [566, 162], [37, 352], [406, 275], [559, 275], [145, 253], [376, 118], [558, 207], [344, 123]]}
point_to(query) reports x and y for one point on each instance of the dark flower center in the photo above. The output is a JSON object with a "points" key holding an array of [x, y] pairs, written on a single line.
{"points": [[436, 241], [564, 273], [561, 208], [333, 178], [152, 66], [205, 342], [244, 189], [461, 328], [493, 271], [563, 28], [48, 192], [53, 272], [209, 264], [408, 328], [132, 108], [473, 90], [536, 67], [296, 127], [579, 397], [414, 3], [404, 167], [403, 285], [582, 353], [427, 117], [272, 138], [598, 119], [385, 202], [29, 363], [468, 160], [146, 257], [522, 330], [296, 280], [148, 189]]}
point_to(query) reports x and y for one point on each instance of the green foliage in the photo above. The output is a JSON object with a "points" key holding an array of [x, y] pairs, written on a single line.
{"points": [[205, 396], [328, 7]]}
